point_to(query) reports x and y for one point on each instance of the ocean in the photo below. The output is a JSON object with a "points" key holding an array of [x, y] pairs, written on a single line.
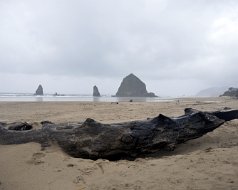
{"points": [[29, 97]]}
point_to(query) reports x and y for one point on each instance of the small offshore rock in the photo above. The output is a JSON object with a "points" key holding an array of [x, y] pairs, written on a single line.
{"points": [[39, 91], [96, 92]]}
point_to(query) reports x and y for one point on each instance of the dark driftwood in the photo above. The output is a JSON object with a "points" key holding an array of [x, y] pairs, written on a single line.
{"points": [[94, 140]]}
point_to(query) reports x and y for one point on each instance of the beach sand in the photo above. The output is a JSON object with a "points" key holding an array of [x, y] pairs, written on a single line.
{"points": [[209, 162]]}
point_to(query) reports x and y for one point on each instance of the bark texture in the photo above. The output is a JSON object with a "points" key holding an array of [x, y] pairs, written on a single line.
{"points": [[94, 140]]}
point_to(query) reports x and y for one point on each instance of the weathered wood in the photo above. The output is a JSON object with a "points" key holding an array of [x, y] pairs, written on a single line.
{"points": [[93, 140]]}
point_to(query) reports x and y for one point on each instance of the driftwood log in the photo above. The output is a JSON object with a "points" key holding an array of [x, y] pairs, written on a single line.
{"points": [[94, 140]]}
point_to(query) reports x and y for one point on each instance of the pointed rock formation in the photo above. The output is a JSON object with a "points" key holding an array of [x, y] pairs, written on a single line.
{"points": [[96, 92], [232, 92], [132, 86], [39, 91]]}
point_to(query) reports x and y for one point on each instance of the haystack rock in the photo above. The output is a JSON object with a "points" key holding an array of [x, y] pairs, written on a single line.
{"points": [[132, 86], [96, 92], [232, 92], [39, 91]]}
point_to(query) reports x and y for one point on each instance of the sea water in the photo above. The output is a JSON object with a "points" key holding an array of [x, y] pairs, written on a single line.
{"points": [[28, 97]]}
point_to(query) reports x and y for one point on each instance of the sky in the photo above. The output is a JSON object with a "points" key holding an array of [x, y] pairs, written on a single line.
{"points": [[176, 47]]}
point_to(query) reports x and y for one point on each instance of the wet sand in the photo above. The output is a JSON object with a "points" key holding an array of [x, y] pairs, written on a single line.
{"points": [[209, 162]]}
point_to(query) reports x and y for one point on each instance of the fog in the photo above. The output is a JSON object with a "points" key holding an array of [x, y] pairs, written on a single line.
{"points": [[175, 47]]}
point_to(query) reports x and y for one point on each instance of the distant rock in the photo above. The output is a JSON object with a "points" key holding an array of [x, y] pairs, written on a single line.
{"points": [[232, 92], [96, 92], [39, 91], [132, 86], [212, 92]]}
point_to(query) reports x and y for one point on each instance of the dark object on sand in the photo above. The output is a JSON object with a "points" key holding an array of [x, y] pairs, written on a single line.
{"points": [[94, 140], [96, 92], [19, 126], [132, 86], [114, 102], [39, 91]]}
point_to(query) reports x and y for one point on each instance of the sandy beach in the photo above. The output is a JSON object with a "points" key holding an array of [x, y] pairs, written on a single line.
{"points": [[209, 162]]}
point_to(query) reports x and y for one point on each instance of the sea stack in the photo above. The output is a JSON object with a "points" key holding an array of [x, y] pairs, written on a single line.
{"points": [[232, 92], [39, 91], [96, 92], [132, 86]]}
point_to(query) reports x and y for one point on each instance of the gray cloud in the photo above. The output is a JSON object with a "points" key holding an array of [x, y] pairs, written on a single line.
{"points": [[162, 41]]}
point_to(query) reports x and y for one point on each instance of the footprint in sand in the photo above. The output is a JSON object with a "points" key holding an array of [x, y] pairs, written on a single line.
{"points": [[78, 180], [37, 158], [100, 165], [127, 186], [209, 149], [1, 187], [70, 165], [88, 170]]}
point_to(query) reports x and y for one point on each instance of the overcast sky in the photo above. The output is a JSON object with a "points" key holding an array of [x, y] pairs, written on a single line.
{"points": [[176, 47]]}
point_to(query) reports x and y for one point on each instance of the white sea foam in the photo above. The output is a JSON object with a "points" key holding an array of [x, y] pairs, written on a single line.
{"points": [[29, 97]]}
